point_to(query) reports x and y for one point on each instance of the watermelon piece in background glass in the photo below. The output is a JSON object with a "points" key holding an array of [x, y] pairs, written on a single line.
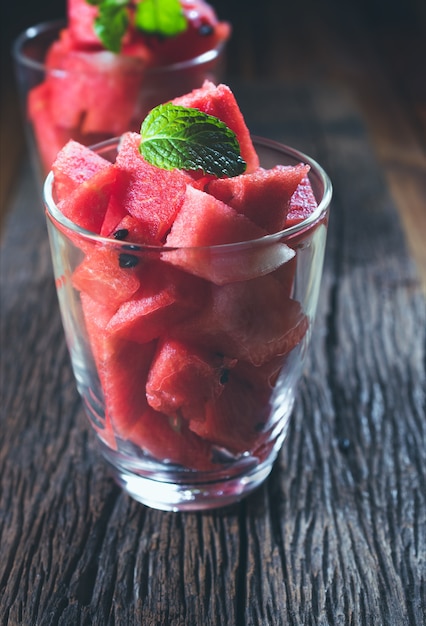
{"points": [[189, 376]]}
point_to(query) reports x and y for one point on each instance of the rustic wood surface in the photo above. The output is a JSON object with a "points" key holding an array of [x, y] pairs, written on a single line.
{"points": [[337, 535]]}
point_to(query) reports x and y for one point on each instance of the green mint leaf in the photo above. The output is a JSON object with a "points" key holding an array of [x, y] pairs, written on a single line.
{"points": [[176, 137], [111, 23], [160, 17]]}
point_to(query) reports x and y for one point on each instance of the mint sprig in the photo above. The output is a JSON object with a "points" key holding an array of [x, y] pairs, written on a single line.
{"points": [[111, 23], [155, 17], [160, 17], [177, 137]]}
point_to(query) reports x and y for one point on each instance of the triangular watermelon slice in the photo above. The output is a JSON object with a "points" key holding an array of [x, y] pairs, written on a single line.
{"points": [[87, 205], [235, 420], [153, 196], [252, 320], [169, 439], [263, 195], [100, 276], [302, 204], [220, 102], [184, 377], [122, 367], [165, 297], [205, 221], [75, 164]]}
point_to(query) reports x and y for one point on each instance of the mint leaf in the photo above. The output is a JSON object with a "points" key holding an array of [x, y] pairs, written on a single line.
{"points": [[176, 137], [111, 23], [154, 17], [160, 17]]}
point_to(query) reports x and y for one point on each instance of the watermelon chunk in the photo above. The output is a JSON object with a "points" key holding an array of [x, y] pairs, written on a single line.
{"points": [[235, 420], [170, 440], [204, 32], [204, 221], [263, 195], [153, 195], [302, 203], [122, 367], [74, 164], [100, 276], [81, 16], [128, 228], [87, 205], [49, 137], [95, 91], [251, 320], [183, 378], [220, 102], [165, 297]]}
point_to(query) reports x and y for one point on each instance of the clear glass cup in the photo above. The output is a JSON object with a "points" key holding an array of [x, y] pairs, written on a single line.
{"points": [[57, 106], [190, 397]]}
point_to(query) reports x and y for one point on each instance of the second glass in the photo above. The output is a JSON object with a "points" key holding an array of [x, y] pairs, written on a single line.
{"points": [[93, 102]]}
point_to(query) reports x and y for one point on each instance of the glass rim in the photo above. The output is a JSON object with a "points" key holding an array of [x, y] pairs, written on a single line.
{"points": [[55, 215], [32, 32]]}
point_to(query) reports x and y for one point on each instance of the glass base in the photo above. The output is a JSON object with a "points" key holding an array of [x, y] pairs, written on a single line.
{"points": [[156, 491]]}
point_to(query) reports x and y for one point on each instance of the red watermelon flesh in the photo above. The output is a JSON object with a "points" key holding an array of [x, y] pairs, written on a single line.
{"points": [[114, 215], [122, 367], [204, 221], [262, 378], [263, 195], [220, 102], [73, 165], [302, 203], [128, 228], [204, 32], [165, 297], [87, 205], [235, 420], [184, 377], [81, 16], [100, 276], [153, 195], [170, 439], [95, 91], [49, 137], [251, 320]]}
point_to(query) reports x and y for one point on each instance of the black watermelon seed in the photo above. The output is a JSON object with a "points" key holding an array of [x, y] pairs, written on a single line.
{"points": [[121, 233], [205, 30], [127, 260]]}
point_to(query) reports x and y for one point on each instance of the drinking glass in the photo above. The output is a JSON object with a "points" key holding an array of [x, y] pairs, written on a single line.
{"points": [[190, 386], [93, 103]]}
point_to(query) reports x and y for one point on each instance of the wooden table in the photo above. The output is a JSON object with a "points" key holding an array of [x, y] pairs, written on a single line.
{"points": [[337, 535]]}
